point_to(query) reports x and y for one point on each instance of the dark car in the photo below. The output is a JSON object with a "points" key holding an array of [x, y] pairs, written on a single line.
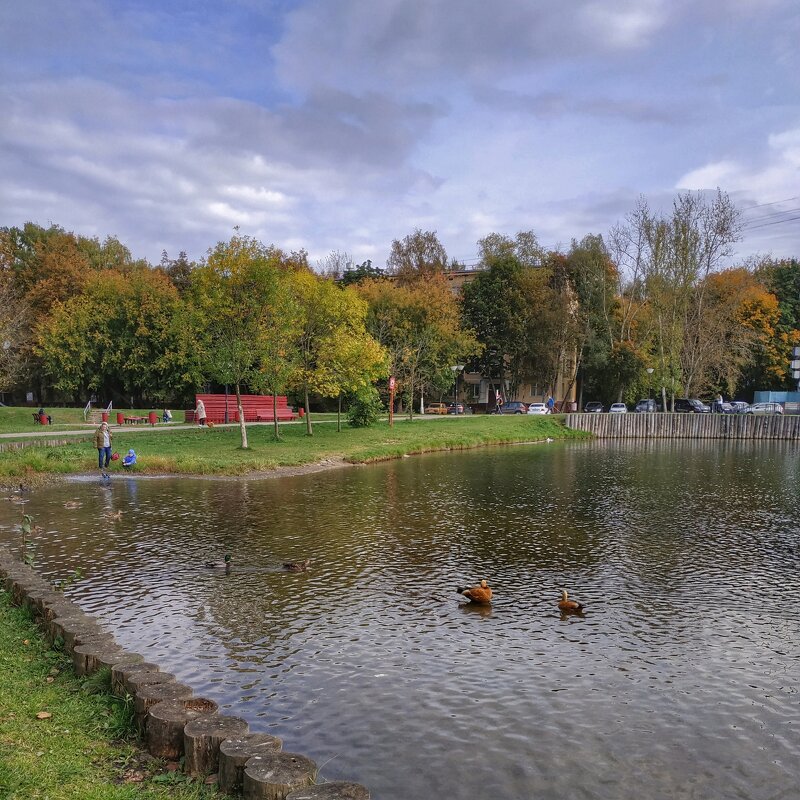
{"points": [[514, 407], [690, 405], [593, 407], [645, 406]]}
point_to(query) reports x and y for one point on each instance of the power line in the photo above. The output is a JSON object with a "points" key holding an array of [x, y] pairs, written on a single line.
{"points": [[773, 203], [772, 215], [776, 222]]}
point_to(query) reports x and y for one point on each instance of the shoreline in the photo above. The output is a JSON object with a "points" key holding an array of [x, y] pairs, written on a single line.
{"points": [[288, 471]]}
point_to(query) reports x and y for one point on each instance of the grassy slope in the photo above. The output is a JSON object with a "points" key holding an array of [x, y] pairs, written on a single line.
{"points": [[218, 451], [68, 756], [17, 419]]}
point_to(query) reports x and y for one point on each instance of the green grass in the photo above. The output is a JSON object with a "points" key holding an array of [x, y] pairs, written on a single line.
{"points": [[70, 755], [18, 419], [218, 452]]}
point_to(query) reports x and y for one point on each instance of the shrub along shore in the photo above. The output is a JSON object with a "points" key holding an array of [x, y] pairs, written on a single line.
{"points": [[217, 451]]}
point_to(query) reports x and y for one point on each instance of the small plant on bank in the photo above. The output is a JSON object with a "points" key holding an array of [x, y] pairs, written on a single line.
{"points": [[73, 577]]}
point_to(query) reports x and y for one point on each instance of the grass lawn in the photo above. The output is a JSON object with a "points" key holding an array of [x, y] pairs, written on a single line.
{"points": [[19, 419], [69, 755], [200, 451]]}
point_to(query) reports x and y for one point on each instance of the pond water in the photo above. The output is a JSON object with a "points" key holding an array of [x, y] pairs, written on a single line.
{"points": [[679, 681]]}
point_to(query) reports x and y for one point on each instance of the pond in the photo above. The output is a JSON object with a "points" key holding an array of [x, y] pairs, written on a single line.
{"points": [[679, 681]]}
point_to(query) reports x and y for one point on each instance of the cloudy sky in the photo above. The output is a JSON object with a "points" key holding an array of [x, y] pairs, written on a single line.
{"points": [[343, 124]]}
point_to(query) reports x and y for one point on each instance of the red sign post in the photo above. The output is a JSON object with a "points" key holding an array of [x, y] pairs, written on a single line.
{"points": [[391, 401]]}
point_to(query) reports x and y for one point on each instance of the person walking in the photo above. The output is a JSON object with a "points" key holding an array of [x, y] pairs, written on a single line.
{"points": [[200, 412], [102, 441]]}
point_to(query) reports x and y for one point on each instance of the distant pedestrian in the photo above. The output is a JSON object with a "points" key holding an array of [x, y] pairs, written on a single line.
{"points": [[551, 403], [200, 412], [102, 441], [167, 415], [43, 413]]}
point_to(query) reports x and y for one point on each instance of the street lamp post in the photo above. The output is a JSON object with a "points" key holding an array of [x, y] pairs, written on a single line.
{"points": [[649, 383]]}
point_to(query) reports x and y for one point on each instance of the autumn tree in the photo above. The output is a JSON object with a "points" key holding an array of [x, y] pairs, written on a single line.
{"points": [[421, 329], [418, 255], [334, 350]]}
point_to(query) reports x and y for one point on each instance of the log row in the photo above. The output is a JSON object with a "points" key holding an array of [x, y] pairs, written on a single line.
{"points": [[172, 722]]}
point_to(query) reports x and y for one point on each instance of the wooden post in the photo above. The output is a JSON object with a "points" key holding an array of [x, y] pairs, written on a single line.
{"points": [[274, 775], [150, 694], [333, 790], [166, 721], [234, 754], [202, 738], [122, 671], [391, 401], [90, 657]]}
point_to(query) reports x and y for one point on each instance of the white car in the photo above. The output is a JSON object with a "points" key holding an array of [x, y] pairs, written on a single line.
{"points": [[538, 408], [618, 408]]}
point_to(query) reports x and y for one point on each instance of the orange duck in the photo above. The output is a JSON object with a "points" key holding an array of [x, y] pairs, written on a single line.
{"points": [[565, 604], [481, 593]]}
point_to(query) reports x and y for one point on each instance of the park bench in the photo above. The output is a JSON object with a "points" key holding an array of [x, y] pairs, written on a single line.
{"points": [[256, 408]]}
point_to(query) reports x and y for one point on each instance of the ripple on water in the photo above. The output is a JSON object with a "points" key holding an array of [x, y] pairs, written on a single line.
{"points": [[679, 681]]}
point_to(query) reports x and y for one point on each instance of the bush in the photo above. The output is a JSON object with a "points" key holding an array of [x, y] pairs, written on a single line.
{"points": [[365, 408]]}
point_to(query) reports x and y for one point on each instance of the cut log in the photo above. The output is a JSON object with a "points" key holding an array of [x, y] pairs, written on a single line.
{"points": [[234, 754], [272, 776], [56, 627], [334, 790], [87, 633], [51, 607], [202, 738], [121, 671], [166, 721], [90, 657], [149, 694], [140, 678]]}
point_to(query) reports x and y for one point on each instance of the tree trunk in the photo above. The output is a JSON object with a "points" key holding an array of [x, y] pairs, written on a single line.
{"points": [[339, 415], [242, 426], [309, 431], [275, 428]]}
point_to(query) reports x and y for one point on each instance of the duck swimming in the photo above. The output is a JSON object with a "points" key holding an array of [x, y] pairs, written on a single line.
{"points": [[481, 593], [226, 563], [297, 566], [565, 604]]}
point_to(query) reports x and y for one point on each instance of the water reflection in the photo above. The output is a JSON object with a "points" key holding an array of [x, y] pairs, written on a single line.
{"points": [[677, 681]]}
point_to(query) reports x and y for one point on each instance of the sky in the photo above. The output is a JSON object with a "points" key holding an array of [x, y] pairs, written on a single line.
{"points": [[340, 125]]}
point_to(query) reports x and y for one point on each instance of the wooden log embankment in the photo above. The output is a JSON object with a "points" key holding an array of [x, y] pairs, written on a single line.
{"points": [[210, 740], [687, 426]]}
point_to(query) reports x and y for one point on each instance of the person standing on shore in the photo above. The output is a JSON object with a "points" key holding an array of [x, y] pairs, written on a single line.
{"points": [[102, 441], [200, 412]]}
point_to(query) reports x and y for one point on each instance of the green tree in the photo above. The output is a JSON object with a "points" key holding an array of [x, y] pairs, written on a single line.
{"points": [[235, 294], [335, 353]]}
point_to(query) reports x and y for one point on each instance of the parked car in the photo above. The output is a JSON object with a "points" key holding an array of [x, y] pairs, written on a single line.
{"points": [[436, 408], [618, 408], [739, 406], [765, 408], [455, 408], [593, 407], [723, 408], [645, 406], [513, 407], [690, 405], [538, 408]]}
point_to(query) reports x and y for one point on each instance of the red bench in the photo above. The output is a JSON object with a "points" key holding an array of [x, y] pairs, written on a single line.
{"points": [[256, 408]]}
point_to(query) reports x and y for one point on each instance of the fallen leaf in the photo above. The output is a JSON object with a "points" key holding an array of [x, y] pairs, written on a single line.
{"points": [[50, 679], [26, 642], [44, 715]]}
